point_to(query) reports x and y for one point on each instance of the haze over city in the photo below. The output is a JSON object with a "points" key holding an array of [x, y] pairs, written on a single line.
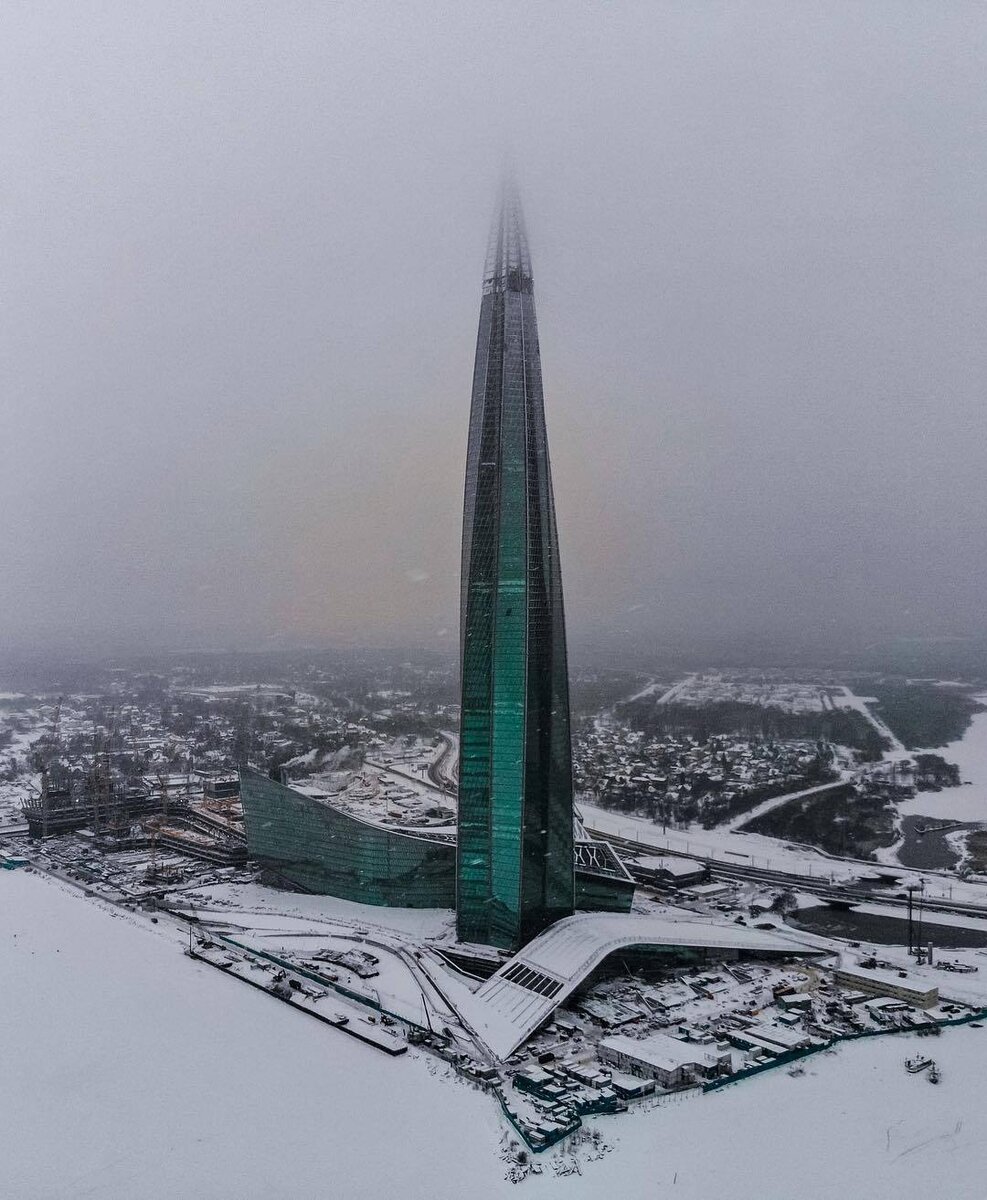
{"points": [[386, 809], [243, 249]]}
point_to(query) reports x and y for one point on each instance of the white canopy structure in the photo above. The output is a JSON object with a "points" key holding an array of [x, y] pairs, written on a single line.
{"points": [[525, 991]]}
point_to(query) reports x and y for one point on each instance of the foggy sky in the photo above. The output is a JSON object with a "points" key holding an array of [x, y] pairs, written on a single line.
{"points": [[242, 246]]}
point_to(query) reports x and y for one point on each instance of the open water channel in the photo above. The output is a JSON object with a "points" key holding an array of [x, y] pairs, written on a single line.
{"points": [[882, 930]]}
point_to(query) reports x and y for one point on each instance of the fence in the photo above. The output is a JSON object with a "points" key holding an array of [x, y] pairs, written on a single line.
{"points": [[789, 1056]]}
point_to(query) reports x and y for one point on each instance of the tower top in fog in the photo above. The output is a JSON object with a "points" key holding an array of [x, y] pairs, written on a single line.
{"points": [[508, 265], [515, 846]]}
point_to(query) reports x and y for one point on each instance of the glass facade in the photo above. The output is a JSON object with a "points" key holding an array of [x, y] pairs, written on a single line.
{"points": [[311, 845], [603, 883], [514, 872], [318, 848]]}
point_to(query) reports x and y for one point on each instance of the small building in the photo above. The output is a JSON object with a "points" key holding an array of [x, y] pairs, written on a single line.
{"points": [[538, 1082], [757, 1048], [670, 871], [708, 891], [219, 785], [783, 1038], [587, 1075], [885, 983], [665, 1059], [887, 1009], [627, 1087]]}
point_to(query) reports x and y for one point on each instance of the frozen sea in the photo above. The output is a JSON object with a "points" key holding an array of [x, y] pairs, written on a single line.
{"points": [[130, 1071], [969, 801]]}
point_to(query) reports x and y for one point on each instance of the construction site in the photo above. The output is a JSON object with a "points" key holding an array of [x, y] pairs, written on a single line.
{"points": [[196, 814], [688, 986]]}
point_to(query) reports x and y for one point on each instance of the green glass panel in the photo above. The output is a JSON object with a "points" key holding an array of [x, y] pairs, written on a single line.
{"points": [[515, 857]]}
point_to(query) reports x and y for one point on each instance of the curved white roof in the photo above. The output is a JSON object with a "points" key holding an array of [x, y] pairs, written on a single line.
{"points": [[524, 992]]}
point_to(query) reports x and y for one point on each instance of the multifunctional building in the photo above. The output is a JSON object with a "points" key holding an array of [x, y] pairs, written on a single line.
{"points": [[524, 992], [514, 871], [517, 860], [305, 839]]}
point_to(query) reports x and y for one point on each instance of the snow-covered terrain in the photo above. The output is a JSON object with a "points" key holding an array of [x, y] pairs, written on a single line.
{"points": [[130, 1071], [968, 802]]}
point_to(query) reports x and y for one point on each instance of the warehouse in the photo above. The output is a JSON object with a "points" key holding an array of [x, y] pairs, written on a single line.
{"points": [[884, 983], [670, 1062]]}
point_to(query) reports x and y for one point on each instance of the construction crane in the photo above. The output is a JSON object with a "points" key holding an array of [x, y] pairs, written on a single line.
{"points": [[152, 825], [47, 747], [163, 785], [56, 725], [45, 803], [188, 775], [101, 785]]}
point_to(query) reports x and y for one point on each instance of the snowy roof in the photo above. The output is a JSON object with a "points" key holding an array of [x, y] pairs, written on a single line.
{"points": [[673, 865], [524, 992], [889, 979], [660, 1050]]}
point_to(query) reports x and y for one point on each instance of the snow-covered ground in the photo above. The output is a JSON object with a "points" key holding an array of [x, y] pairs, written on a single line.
{"points": [[755, 850], [219, 901], [130, 1071], [13, 795], [968, 802], [295, 928], [864, 705], [729, 846]]}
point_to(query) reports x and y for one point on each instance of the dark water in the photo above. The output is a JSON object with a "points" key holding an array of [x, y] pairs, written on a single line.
{"points": [[884, 931], [930, 850]]}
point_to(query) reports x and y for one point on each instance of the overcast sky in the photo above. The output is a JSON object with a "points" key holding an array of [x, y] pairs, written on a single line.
{"points": [[240, 254]]}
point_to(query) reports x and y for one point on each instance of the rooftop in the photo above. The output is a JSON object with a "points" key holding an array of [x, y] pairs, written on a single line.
{"points": [[515, 1000], [674, 866], [659, 1050]]}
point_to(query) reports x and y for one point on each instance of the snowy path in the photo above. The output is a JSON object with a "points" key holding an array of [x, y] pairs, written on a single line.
{"points": [[667, 696], [676, 689], [767, 806], [898, 750]]}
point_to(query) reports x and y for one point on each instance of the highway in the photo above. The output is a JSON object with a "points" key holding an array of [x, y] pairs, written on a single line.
{"points": [[443, 769]]}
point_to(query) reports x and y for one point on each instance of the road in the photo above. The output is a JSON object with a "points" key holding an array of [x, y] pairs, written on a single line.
{"points": [[898, 750], [423, 779], [444, 768], [820, 884], [766, 806]]}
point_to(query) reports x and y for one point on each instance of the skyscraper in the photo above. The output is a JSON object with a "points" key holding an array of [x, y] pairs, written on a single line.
{"points": [[514, 870]]}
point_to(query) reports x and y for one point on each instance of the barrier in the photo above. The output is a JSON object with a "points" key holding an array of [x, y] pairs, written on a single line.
{"points": [[789, 1056], [536, 1147], [319, 979]]}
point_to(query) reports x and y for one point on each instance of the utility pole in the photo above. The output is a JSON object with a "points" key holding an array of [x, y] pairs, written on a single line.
{"points": [[910, 891], [95, 784]]}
